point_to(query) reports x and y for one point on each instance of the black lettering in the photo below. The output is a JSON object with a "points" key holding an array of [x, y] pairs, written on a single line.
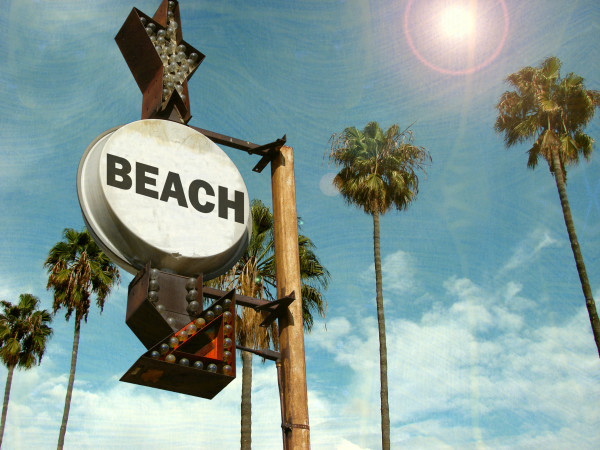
{"points": [[173, 189], [112, 172], [237, 204], [141, 180], [193, 192]]}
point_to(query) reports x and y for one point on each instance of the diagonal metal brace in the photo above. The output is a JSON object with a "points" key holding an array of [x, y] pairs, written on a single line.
{"points": [[269, 152], [276, 308], [264, 353]]}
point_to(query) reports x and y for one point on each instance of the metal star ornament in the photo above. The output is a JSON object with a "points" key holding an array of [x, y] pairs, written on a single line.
{"points": [[160, 60]]}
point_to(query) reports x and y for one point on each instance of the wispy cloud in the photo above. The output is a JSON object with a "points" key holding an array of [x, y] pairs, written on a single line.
{"points": [[528, 249]]}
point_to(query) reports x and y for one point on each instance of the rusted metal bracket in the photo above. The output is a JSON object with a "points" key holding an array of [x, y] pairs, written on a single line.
{"points": [[287, 427], [267, 151], [276, 308], [264, 353]]}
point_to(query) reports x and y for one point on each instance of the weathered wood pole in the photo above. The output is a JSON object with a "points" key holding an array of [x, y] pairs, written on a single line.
{"points": [[291, 334]]}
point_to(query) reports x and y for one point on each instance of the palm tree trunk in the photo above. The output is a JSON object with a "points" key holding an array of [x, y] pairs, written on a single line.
{"points": [[385, 409], [63, 427], [585, 284], [246, 425], [9, 377]]}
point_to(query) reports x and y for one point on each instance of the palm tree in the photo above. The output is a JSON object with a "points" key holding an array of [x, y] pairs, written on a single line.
{"points": [[553, 111], [378, 172], [254, 276], [77, 268], [24, 332]]}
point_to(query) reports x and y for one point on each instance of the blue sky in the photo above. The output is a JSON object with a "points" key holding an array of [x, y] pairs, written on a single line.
{"points": [[488, 337]]}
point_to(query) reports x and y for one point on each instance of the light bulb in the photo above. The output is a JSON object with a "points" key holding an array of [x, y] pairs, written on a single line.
{"points": [[191, 329], [150, 31], [184, 67], [183, 98], [170, 358], [160, 308], [154, 354], [173, 342], [181, 48], [227, 316], [153, 285], [173, 67], [227, 343], [153, 296], [200, 322], [190, 284], [209, 315], [179, 89], [192, 295], [144, 21], [161, 40], [154, 274], [193, 307], [171, 5], [161, 33], [198, 364], [184, 362], [164, 58], [212, 368], [218, 309], [227, 356], [227, 303], [171, 321], [194, 57], [164, 348], [227, 370], [228, 329]]}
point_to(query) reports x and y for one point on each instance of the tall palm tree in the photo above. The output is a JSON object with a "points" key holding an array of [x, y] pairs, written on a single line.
{"points": [[553, 111], [24, 332], [378, 173], [254, 276], [77, 268]]}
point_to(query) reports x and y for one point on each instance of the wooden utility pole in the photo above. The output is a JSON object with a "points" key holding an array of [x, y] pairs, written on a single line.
{"points": [[296, 433]]}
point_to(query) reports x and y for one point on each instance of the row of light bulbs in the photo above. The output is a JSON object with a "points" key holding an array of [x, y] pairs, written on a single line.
{"points": [[191, 329], [177, 63]]}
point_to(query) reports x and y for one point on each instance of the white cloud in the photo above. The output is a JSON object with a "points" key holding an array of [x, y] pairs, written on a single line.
{"points": [[529, 248], [474, 370], [480, 367], [397, 273]]}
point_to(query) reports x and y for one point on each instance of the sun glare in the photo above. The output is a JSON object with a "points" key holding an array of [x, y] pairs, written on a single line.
{"points": [[457, 22]]}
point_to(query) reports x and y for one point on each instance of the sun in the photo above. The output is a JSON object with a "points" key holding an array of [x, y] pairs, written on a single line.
{"points": [[457, 22]]}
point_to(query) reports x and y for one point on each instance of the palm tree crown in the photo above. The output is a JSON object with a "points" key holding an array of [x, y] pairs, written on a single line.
{"points": [[550, 110], [77, 267], [24, 331], [378, 169]]}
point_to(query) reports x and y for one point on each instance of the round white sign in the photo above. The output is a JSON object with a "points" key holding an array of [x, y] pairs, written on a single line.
{"points": [[160, 192]]}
